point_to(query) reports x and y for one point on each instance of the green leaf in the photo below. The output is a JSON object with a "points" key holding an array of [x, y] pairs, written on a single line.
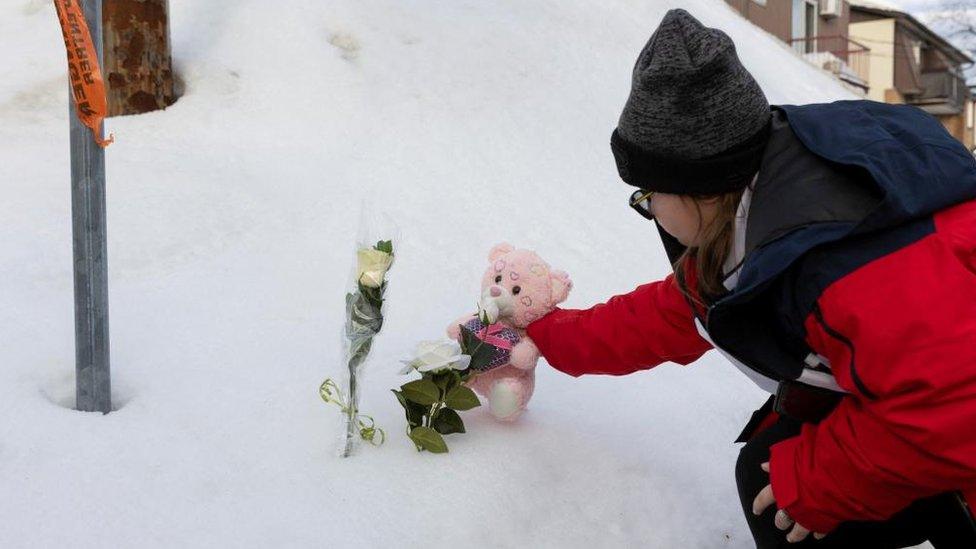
{"points": [[481, 353], [440, 378], [403, 401], [445, 381], [453, 382], [428, 439], [415, 412], [373, 296], [468, 340], [421, 391], [462, 398], [448, 421], [384, 246]]}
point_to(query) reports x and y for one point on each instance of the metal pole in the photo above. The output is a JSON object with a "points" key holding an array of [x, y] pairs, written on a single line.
{"points": [[93, 387]]}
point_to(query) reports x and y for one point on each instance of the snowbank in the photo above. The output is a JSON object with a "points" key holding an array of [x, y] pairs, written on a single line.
{"points": [[231, 219]]}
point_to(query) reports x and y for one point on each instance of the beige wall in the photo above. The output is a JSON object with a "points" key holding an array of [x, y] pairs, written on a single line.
{"points": [[892, 96], [879, 36], [970, 124], [959, 126]]}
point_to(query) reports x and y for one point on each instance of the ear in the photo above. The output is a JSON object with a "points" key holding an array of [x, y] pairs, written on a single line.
{"points": [[499, 250], [561, 285]]}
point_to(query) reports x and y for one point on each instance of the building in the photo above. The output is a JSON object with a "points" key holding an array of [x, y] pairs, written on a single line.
{"points": [[875, 50], [911, 64], [817, 30]]}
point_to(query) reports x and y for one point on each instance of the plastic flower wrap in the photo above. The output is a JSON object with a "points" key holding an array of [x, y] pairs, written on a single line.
{"points": [[364, 310], [364, 320]]}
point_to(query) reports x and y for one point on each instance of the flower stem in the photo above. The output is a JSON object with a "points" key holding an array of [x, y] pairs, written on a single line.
{"points": [[435, 409]]}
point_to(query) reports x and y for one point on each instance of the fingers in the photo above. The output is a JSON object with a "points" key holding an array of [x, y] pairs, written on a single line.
{"points": [[763, 500], [797, 534], [782, 520]]}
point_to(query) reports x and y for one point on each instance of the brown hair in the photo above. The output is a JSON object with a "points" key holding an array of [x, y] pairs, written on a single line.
{"points": [[709, 257]]}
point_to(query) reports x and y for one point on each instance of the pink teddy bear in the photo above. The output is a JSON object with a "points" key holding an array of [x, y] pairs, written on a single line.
{"points": [[517, 288]]}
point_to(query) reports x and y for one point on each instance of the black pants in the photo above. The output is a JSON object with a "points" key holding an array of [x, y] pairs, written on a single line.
{"points": [[940, 520]]}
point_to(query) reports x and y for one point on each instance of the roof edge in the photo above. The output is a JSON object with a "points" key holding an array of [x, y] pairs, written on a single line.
{"points": [[944, 44]]}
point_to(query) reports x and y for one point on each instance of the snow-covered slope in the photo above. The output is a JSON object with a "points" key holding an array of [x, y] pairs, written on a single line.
{"points": [[232, 217]]}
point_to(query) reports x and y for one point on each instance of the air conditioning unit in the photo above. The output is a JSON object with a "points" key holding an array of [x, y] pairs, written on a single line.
{"points": [[831, 8]]}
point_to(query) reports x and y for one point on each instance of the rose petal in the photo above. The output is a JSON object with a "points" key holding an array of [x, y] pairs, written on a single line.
{"points": [[425, 346], [430, 366], [375, 263], [372, 279], [429, 357], [447, 348]]}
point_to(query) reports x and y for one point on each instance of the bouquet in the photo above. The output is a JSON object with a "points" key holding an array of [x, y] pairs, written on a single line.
{"points": [[432, 402], [364, 320]]}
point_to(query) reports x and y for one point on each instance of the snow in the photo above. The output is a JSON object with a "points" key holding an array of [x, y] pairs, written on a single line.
{"points": [[232, 218], [877, 4]]}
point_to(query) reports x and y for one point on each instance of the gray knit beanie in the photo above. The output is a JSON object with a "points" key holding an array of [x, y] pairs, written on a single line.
{"points": [[696, 121]]}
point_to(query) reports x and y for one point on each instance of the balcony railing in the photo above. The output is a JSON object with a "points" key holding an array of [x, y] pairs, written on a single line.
{"points": [[943, 91], [848, 60]]}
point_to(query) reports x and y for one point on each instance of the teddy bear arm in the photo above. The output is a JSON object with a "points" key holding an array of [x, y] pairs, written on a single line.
{"points": [[524, 354], [454, 330]]}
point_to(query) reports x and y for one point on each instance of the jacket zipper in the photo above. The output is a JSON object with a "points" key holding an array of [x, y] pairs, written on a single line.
{"points": [[818, 314]]}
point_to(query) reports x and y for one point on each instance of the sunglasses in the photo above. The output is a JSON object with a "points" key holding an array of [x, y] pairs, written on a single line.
{"points": [[640, 201]]}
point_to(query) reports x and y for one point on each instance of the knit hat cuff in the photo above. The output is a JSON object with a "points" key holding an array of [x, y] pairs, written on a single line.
{"points": [[727, 171]]}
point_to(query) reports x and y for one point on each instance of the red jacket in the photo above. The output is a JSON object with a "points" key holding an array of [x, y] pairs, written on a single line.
{"points": [[910, 318]]}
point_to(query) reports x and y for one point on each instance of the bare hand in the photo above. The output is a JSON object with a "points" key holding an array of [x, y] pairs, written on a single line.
{"points": [[782, 519]]}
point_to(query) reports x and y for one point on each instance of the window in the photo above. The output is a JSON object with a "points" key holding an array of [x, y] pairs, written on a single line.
{"points": [[804, 22], [969, 114]]}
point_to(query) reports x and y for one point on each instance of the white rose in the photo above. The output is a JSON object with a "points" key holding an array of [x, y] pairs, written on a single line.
{"points": [[433, 356], [372, 267]]}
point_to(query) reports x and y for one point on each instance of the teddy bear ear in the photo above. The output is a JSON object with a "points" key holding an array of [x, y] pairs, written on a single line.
{"points": [[561, 285], [499, 250]]}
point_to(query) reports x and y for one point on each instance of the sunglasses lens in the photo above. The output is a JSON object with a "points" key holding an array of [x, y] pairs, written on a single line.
{"points": [[640, 201]]}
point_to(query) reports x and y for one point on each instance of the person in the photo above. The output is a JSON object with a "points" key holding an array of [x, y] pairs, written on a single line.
{"points": [[829, 251]]}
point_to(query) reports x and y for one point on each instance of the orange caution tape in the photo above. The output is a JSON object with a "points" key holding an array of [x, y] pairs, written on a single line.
{"points": [[87, 86]]}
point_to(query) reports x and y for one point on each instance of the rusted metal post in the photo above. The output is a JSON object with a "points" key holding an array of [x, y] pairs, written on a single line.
{"points": [[138, 67]]}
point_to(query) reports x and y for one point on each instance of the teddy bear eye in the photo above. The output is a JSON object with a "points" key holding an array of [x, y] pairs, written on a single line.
{"points": [[498, 279], [516, 290]]}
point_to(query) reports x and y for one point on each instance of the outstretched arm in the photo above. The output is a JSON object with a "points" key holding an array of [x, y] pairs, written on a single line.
{"points": [[630, 332]]}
